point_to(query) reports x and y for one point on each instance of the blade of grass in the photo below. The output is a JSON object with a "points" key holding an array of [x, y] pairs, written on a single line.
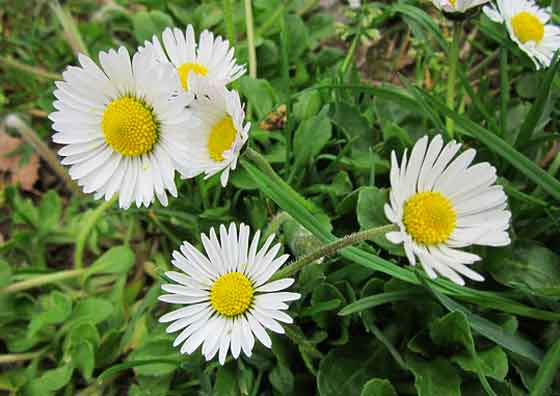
{"points": [[379, 299], [536, 112], [547, 371], [504, 90]]}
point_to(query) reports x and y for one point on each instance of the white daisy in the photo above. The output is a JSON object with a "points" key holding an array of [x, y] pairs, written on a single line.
{"points": [[441, 204], [122, 131], [453, 6], [216, 143], [354, 4], [228, 298], [212, 60], [528, 25]]}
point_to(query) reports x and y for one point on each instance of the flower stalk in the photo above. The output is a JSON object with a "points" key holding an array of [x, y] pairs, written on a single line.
{"points": [[452, 76], [333, 247]]}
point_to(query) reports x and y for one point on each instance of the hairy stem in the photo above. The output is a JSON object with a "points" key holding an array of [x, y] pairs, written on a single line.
{"points": [[452, 76], [41, 280], [251, 39], [332, 248]]}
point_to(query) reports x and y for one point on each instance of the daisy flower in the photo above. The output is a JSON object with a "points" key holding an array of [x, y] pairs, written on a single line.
{"points": [[528, 25], [215, 145], [229, 301], [211, 60], [122, 130], [453, 6], [441, 204]]}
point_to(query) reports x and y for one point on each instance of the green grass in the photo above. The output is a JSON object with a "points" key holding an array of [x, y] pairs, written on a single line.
{"points": [[79, 279]]}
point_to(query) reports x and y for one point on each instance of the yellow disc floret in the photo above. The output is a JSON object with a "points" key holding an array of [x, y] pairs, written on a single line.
{"points": [[429, 218], [527, 27], [221, 138], [186, 68], [232, 294], [129, 126]]}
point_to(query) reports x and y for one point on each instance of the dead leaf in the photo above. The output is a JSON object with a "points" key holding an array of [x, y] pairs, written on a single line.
{"points": [[12, 171]]}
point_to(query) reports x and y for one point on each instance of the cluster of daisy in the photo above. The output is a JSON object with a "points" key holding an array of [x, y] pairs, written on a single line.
{"points": [[127, 127], [528, 24], [130, 124]]}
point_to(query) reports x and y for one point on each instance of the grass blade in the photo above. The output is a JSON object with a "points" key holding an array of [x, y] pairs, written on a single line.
{"points": [[547, 371], [379, 299]]}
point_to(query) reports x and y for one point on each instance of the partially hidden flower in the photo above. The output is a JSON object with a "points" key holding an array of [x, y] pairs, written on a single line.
{"points": [[216, 143], [529, 27], [442, 203], [229, 300], [457, 6], [210, 60], [122, 126]]}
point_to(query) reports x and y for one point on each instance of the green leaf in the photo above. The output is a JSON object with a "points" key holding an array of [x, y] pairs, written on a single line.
{"points": [[83, 358], [93, 310], [424, 20], [148, 23], [310, 138], [436, 377], [259, 94], [282, 379], [378, 387], [156, 349], [55, 379], [50, 210], [493, 362], [547, 371], [371, 201], [492, 331], [345, 371], [525, 263], [58, 308], [117, 260], [137, 363], [298, 36], [226, 381], [307, 105], [452, 329]]}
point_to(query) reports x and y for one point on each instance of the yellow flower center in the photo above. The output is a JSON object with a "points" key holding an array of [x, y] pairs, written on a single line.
{"points": [[186, 68], [429, 218], [527, 27], [221, 138], [453, 2], [232, 294], [130, 126]]}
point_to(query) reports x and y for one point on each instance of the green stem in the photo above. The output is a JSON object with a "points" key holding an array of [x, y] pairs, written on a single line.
{"points": [[251, 39], [286, 79], [71, 31], [332, 248], [88, 226], [504, 90], [452, 77], [351, 52], [19, 357], [228, 18], [41, 280], [36, 71]]}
